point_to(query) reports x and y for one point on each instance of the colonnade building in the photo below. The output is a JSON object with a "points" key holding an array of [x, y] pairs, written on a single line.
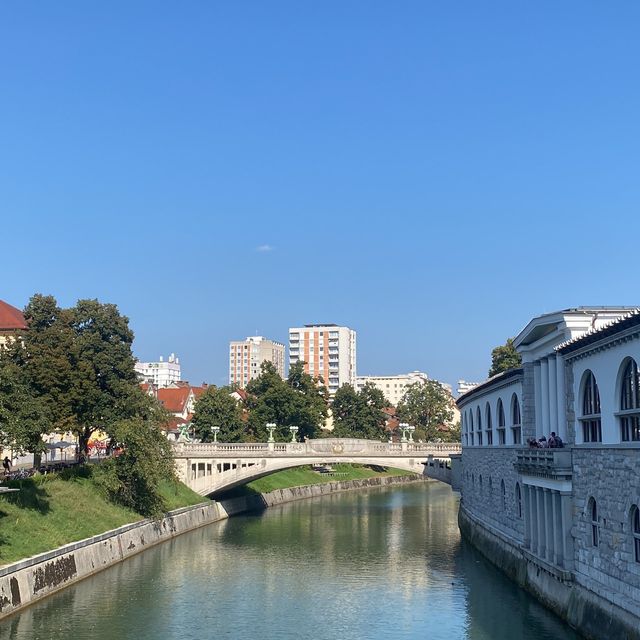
{"points": [[563, 522]]}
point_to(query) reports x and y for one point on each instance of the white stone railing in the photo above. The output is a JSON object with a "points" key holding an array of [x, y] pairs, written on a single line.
{"points": [[315, 448]]}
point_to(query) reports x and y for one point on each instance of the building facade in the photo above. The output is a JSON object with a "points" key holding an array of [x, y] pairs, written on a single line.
{"points": [[327, 350], [563, 522], [247, 356], [12, 323], [393, 387], [162, 373]]}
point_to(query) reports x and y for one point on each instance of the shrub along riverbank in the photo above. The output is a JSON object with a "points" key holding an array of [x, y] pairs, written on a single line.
{"points": [[55, 509]]}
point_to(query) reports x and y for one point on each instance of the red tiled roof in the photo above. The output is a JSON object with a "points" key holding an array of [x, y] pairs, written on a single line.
{"points": [[198, 391], [174, 400], [11, 318]]}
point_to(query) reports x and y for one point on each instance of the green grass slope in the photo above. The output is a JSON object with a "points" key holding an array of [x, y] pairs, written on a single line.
{"points": [[53, 510]]}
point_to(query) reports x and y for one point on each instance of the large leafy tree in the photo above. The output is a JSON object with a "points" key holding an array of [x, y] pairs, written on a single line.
{"points": [[216, 407], [358, 414], [504, 357], [427, 406], [299, 401]]}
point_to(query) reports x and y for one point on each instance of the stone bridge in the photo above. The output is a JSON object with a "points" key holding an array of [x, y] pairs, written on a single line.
{"points": [[212, 467]]}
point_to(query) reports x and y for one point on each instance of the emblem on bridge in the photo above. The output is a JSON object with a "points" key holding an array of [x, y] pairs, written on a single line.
{"points": [[337, 448]]}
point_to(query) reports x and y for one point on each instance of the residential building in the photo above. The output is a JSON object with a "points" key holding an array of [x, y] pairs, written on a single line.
{"points": [[247, 356], [464, 386], [162, 373], [179, 399], [564, 522], [12, 322], [393, 387], [328, 350]]}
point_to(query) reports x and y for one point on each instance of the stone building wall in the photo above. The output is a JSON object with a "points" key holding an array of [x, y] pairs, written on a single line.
{"points": [[612, 477]]}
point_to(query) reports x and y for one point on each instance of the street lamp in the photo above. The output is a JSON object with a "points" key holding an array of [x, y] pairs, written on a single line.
{"points": [[403, 426], [271, 427], [410, 429], [293, 430], [215, 433]]}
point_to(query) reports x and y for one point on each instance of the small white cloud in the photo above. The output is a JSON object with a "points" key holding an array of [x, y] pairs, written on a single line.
{"points": [[264, 247]]}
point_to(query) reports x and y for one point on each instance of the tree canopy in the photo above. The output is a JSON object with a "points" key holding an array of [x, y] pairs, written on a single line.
{"points": [[216, 407], [504, 357], [427, 406], [358, 414]]}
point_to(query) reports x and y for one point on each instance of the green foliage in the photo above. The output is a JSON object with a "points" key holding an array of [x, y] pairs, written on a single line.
{"points": [[217, 408], [300, 401], [133, 478], [428, 407], [504, 357], [359, 414]]}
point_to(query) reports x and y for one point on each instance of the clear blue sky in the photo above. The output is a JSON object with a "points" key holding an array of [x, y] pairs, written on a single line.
{"points": [[432, 174]]}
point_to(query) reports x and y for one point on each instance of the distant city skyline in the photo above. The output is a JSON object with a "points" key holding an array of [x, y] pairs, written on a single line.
{"points": [[432, 174]]}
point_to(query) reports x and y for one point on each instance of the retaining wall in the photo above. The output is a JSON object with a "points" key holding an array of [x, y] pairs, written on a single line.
{"points": [[584, 610], [29, 580]]}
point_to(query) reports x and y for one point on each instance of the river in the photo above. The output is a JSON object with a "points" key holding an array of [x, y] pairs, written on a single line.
{"points": [[382, 563]]}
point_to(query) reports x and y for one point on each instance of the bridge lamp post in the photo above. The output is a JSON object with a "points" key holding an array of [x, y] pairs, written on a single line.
{"points": [[403, 426], [293, 430], [271, 427], [215, 433], [410, 429]]}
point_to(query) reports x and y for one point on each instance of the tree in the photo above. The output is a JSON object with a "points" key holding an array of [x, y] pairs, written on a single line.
{"points": [[300, 401], [504, 357], [359, 414], [428, 407], [216, 407], [134, 477]]}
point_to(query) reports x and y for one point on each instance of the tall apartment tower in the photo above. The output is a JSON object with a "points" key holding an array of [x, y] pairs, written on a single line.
{"points": [[246, 356], [328, 351]]}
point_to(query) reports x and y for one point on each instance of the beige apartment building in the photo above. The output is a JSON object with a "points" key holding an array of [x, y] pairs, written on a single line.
{"points": [[393, 387], [328, 350], [246, 356]]}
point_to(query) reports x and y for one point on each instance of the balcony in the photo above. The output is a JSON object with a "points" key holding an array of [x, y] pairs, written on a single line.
{"points": [[545, 463]]}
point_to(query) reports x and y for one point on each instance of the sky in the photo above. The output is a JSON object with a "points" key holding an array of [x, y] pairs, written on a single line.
{"points": [[430, 174]]}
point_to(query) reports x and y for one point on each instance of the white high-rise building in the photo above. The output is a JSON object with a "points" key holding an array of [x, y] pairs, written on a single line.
{"points": [[328, 350], [393, 387], [246, 357], [162, 373]]}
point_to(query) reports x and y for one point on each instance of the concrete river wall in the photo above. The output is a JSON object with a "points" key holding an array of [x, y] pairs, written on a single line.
{"points": [[32, 579]]}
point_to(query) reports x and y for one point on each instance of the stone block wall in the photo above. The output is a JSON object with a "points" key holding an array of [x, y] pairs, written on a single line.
{"points": [[495, 465], [611, 475]]}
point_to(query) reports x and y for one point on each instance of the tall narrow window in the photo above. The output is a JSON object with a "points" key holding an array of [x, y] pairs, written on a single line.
{"points": [[635, 528], [516, 420], [590, 420], [489, 425], [479, 425], [471, 427], [593, 514], [518, 500], [630, 403], [501, 423], [503, 494]]}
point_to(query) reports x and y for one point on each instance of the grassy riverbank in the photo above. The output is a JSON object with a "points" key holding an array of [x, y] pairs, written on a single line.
{"points": [[53, 510], [301, 476]]}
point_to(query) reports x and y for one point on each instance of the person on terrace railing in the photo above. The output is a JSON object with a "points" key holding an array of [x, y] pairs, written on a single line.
{"points": [[555, 441]]}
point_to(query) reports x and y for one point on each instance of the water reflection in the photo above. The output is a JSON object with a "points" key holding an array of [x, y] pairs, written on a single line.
{"points": [[386, 562]]}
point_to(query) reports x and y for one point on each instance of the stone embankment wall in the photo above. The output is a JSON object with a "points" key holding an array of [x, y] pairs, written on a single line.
{"points": [[590, 614], [29, 580]]}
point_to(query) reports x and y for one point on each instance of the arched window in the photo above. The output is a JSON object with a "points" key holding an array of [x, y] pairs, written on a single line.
{"points": [[501, 423], [635, 530], [490, 485], [480, 484], [479, 425], [489, 425], [471, 426], [504, 495], [516, 420], [518, 500], [592, 509], [630, 402], [590, 420], [473, 480]]}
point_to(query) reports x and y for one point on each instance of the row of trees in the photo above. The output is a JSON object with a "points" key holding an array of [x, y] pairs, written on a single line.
{"points": [[302, 401], [73, 371]]}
